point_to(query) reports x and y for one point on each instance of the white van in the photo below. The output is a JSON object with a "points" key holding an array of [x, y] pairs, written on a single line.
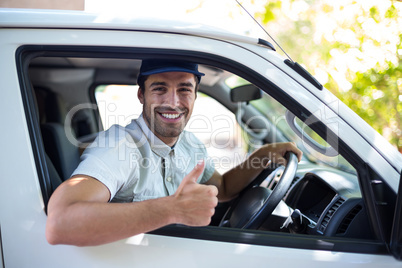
{"points": [[66, 76]]}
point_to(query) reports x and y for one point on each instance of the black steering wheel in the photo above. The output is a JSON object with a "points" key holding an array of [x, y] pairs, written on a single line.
{"points": [[256, 203]]}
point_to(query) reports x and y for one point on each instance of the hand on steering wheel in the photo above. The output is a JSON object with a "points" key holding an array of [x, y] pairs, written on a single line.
{"points": [[257, 203]]}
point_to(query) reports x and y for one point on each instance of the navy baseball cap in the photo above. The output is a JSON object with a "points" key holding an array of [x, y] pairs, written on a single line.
{"points": [[156, 66]]}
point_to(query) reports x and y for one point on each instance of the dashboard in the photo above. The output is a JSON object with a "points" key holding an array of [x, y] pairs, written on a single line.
{"points": [[329, 199]]}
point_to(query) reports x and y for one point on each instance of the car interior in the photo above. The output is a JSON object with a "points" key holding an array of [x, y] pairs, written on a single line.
{"points": [[310, 198]]}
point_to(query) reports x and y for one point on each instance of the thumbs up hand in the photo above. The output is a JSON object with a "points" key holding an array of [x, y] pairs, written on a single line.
{"points": [[195, 203]]}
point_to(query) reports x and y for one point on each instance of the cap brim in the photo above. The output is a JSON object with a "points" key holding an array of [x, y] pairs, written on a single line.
{"points": [[172, 69]]}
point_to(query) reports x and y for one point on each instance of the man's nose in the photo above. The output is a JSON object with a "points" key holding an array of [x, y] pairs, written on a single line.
{"points": [[173, 99]]}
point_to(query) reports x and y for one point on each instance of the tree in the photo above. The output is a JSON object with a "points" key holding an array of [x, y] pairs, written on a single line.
{"points": [[353, 47]]}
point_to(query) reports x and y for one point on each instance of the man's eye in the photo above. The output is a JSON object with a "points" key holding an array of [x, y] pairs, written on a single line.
{"points": [[185, 90], [158, 89]]}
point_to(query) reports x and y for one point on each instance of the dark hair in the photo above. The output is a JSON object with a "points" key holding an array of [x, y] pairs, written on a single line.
{"points": [[141, 82]]}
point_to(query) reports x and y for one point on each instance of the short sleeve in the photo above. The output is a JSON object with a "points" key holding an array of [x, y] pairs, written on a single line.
{"points": [[107, 159]]}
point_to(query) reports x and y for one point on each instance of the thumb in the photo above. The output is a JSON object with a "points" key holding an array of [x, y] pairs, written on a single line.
{"points": [[193, 175]]}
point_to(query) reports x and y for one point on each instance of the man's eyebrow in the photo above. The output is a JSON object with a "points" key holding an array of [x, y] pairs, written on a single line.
{"points": [[158, 84], [186, 84]]}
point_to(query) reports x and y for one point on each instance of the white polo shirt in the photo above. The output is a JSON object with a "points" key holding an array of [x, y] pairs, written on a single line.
{"points": [[135, 165]]}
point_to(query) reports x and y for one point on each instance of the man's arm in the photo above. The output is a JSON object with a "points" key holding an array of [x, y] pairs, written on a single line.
{"points": [[233, 181], [79, 212]]}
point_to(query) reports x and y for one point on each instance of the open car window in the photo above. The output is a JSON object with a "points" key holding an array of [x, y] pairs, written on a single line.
{"points": [[328, 195]]}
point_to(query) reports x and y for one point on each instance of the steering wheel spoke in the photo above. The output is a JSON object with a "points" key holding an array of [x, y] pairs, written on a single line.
{"points": [[256, 203]]}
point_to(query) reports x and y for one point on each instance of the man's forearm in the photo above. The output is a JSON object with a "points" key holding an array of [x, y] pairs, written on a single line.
{"points": [[240, 176], [94, 223]]}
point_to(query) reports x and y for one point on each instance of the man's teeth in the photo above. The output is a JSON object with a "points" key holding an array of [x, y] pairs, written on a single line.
{"points": [[171, 116]]}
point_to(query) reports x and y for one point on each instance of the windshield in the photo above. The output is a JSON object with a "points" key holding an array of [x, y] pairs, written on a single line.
{"points": [[275, 112]]}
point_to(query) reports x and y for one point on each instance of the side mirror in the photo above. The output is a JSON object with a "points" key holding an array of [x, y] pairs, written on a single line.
{"points": [[245, 93]]}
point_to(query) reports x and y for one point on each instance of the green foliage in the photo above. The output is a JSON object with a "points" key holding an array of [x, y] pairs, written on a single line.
{"points": [[392, 12], [353, 47], [269, 11], [377, 99]]}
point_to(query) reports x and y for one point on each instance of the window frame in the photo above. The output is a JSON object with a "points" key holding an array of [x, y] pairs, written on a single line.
{"points": [[27, 52]]}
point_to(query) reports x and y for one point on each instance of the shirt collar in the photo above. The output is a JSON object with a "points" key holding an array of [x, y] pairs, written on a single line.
{"points": [[157, 146]]}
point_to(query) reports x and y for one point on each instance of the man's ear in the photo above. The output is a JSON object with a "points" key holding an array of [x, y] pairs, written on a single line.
{"points": [[140, 95]]}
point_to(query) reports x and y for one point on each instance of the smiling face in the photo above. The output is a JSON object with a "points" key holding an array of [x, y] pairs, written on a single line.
{"points": [[168, 101]]}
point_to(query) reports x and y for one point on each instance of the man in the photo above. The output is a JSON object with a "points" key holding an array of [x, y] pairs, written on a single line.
{"points": [[151, 173]]}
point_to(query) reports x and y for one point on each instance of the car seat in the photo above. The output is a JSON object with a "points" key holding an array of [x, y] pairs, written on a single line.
{"points": [[62, 150], [63, 153]]}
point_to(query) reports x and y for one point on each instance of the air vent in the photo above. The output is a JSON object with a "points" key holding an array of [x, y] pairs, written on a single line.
{"points": [[331, 211], [348, 219]]}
